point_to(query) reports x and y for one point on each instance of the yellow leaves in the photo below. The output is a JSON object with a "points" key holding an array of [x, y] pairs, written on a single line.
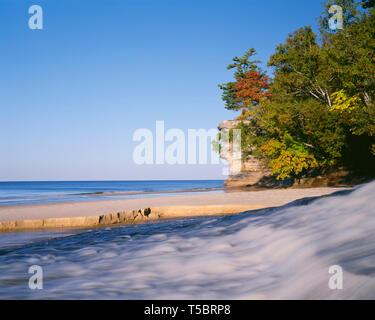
{"points": [[372, 149], [286, 161], [271, 148], [285, 119], [343, 103], [288, 164], [352, 112], [251, 111], [244, 115]]}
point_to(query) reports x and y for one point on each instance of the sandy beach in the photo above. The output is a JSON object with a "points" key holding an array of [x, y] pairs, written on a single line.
{"points": [[128, 211]]}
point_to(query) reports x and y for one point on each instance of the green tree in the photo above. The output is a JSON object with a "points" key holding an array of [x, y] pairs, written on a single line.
{"points": [[319, 112], [242, 66], [350, 13], [300, 68]]}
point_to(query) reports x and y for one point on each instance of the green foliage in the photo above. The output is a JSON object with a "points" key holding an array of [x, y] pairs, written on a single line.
{"points": [[300, 68], [321, 96], [372, 149], [241, 66], [366, 4], [344, 103], [351, 13], [288, 157]]}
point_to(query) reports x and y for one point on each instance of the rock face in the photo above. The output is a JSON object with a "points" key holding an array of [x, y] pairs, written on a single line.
{"points": [[243, 172], [126, 217], [252, 172]]}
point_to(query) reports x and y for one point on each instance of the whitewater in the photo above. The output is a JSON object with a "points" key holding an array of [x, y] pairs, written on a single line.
{"points": [[279, 253]]}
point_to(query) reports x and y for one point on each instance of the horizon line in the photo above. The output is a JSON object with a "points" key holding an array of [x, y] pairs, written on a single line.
{"points": [[111, 180]]}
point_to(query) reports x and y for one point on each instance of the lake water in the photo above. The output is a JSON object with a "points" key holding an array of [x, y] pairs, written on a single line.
{"points": [[282, 253], [64, 191]]}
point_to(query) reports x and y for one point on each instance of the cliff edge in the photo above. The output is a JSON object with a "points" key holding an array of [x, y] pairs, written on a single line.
{"points": [[252, 172]]}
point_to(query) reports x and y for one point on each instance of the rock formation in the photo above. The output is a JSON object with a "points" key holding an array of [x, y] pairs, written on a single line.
{"points": [[252, 172], [252, 169]]}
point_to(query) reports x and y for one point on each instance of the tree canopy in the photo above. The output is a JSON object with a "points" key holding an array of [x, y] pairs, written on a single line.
{"points": [[317, 111]]}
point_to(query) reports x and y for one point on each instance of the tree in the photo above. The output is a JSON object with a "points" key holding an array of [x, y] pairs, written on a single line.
{"points": [[351, 64], [368, 4], [288, 157], [350, 13], [244, 67], [318, 111], [299, 67], [251, 89]]}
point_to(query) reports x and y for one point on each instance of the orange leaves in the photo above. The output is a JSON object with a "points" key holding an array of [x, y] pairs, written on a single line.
{"points": [[252, 86]]}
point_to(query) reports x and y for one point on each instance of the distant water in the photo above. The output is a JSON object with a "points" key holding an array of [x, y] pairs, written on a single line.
{"points": [[63, 191], [281, 253]]}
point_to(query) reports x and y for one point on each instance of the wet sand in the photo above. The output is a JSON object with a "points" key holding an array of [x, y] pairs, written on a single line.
{"points": [[128, 211]]}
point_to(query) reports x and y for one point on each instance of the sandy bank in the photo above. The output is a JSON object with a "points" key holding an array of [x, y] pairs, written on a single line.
{"points": [[129, 211]]}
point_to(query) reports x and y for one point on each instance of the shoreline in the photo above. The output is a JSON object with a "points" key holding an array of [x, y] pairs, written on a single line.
{"points": [[110, 196], [71, 215], [136, 193]]}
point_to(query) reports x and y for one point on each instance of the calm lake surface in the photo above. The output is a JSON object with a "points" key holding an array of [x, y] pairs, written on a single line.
{"points": [[67, 191]]}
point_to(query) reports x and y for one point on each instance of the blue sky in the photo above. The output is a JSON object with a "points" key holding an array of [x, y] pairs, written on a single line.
{"points": [[73, 93]]}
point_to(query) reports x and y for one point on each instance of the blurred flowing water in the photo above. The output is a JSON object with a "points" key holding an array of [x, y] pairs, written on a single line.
{"points": [[282, 253]]}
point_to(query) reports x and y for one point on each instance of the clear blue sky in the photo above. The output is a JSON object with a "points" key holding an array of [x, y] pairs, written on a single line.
{"points": [[73, 93]]}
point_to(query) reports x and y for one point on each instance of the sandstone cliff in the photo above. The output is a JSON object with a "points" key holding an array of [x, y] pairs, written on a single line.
{"points": [[252, 169], [252, 172]]}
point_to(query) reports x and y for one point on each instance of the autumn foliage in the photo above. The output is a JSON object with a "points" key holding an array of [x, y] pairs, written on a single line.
{"points": [[317, 113], [253, 87]]}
